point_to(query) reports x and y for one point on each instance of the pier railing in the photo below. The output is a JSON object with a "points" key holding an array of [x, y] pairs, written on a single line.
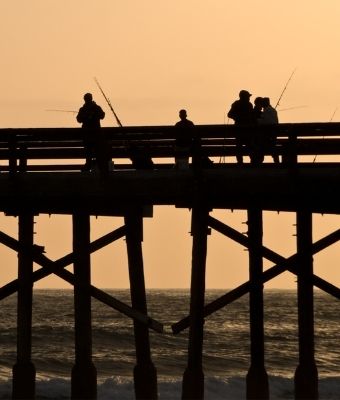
{"points": [[25, 147]]}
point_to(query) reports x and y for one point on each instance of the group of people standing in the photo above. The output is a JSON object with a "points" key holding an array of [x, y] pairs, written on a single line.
{"points": [[242, 111], [245, 114]]}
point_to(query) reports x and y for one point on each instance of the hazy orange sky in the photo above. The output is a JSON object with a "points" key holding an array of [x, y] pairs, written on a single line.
{"points": [[153, 58]]}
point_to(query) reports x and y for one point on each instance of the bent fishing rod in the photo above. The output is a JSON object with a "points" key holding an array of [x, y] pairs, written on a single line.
{"points": [[108, 102]]}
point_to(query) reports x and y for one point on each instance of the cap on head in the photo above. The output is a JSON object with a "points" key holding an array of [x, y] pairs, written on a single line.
{"points": [[244, 94], [88, 97]]}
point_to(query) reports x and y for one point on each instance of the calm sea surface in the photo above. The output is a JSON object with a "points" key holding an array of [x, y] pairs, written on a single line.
{"points": [[226, 344]]}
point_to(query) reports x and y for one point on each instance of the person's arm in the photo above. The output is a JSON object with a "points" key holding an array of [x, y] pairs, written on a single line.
{"points": [[80, 116], [232, 113], [275, 117], [100, 112]]}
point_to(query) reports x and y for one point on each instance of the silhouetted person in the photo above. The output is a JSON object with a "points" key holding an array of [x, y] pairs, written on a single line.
{"points": [[188, 143], [184, 139], [256, 141], [89, 115], [269, 117], [241, 111], [257, 109]]}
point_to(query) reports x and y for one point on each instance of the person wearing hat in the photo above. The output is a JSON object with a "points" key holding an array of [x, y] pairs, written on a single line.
{"points": [[241, 111], [89, 115]]}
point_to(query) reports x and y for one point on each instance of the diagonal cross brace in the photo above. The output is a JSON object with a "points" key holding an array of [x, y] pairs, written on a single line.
{"points": [[36, 251], [282, 264], [287, 263], [57, 267]]}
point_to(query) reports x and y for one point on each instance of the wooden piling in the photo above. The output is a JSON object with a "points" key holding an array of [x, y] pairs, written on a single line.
{"points": [[257, 378], [145, 373], [193, 377], [24, 370], [84, 374], [306, 374]]}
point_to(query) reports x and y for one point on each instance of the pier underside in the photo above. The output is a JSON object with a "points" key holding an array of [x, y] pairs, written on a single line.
{"points": [[268, 187]]}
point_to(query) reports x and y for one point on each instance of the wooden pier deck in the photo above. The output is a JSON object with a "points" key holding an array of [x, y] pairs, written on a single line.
{"points": [[40, 172]]}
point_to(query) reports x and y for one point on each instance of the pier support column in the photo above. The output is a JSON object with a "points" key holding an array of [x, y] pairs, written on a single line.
{"points": [[24, 370], [193, 377], [145, 374], [257, 378], [306, 374], [84, 374]]}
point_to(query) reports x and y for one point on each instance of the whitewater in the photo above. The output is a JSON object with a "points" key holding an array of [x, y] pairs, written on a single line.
{"points": [[226, 345]]}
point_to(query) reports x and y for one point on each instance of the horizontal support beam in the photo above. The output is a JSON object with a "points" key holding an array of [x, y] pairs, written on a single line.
{"points": [[268, 186]]}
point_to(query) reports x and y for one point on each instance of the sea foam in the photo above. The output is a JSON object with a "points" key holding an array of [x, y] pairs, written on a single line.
{"points": [[215, 389]]}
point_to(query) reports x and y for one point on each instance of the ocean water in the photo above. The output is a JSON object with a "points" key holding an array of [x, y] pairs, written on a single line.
{"points": [[226, 345]]}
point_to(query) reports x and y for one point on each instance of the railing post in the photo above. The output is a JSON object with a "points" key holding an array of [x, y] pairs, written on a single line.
{"points": [[290, 152], [23, 158], [306, 374], [257, 378], [24, 370], [12, 154], [145, 373], [193, 377], [84, 374]]}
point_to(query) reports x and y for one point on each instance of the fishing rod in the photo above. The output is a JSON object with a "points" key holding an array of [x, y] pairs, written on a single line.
{"points": [[333, 114], [109, 103], [291, 108], [67, 111], [135, 158], [285, 87], [331, 119]]}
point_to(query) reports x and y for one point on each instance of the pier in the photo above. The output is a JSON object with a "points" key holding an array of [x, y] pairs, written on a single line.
{"points": [[40, 173]]}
